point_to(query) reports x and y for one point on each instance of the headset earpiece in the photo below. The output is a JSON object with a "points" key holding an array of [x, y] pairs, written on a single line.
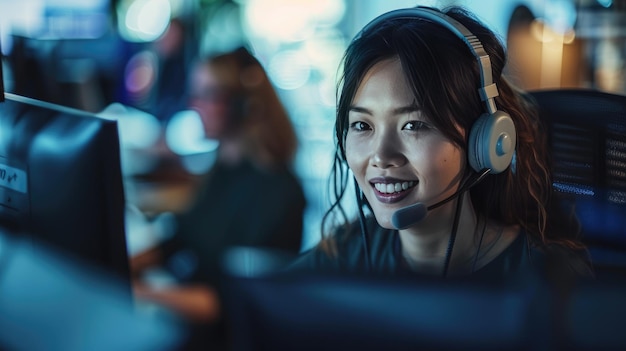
{"points": [[492, 142]]}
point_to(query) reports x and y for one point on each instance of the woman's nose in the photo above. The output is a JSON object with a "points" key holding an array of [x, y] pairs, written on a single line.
{"points": [[387, 152]]}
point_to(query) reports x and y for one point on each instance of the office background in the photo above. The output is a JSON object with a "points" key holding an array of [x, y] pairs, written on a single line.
{"points": [[127, 59]]}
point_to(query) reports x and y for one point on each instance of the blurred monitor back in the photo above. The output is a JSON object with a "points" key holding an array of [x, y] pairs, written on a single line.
{"points": [[318, 312], [50, 303], [61, 181], [333, 312]]}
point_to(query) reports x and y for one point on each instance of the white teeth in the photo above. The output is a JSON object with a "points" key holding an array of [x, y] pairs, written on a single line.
{"points": [[393, 188]]}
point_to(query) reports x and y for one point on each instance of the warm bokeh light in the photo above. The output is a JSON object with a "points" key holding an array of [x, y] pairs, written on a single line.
{"points": [[560, 15], [545, 34]]}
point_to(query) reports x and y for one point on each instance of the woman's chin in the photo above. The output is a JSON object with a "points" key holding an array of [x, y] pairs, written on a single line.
{"points": [[384, 220]]}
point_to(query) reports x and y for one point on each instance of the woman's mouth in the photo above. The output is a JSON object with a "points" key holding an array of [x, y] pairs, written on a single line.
{"points": [[392, 192], [391, 188]]}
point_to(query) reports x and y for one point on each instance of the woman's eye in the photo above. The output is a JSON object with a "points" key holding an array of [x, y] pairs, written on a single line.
{"points": [[359, 126], [415, 125]]}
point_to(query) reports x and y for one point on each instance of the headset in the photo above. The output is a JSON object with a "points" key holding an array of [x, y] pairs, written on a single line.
{"points": [[492, 138]]}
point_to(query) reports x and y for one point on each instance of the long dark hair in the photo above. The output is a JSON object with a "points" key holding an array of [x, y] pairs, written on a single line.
{"points": [[444, 77]]}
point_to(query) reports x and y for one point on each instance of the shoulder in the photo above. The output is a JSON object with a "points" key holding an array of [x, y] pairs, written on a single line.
{"points": [[330, 254], [558, 260], [523, 257], [279, 185], [281, 178]]}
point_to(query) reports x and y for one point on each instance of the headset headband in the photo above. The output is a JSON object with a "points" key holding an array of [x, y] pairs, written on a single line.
{"points": [[488, 89]]}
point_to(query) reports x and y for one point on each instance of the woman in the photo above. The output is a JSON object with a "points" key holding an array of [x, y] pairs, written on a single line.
{"points": [[454, 169], [250, 197]]}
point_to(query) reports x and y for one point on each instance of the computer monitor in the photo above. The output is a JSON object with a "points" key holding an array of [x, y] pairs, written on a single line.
{"points": [[325, 312], [272, 310], [61, 182], [51, 303]]}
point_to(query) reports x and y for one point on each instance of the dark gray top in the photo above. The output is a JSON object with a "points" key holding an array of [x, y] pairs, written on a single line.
{"points": [[518, 260]]}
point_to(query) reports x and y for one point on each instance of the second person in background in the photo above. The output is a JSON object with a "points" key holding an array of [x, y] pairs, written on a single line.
{"points": [[251, 197]]}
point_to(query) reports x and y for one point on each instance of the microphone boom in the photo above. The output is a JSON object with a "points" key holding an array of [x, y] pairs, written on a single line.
{"points": [[412, 214]]}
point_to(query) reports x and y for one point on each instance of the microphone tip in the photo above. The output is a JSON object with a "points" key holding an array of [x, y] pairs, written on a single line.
{"points": [[408, 216]]}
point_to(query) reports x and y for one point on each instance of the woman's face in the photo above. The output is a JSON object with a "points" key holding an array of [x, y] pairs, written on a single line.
{"points": [[396, 154], [208, 97]]}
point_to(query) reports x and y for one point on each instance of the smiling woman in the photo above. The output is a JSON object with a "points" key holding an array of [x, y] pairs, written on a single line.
{"points": [[421, 123]]}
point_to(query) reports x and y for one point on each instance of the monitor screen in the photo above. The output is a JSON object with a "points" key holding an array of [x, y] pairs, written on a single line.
{"points": [[61, 181]]}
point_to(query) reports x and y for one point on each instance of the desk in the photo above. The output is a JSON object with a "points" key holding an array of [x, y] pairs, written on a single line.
{"points": [[157, 185]]}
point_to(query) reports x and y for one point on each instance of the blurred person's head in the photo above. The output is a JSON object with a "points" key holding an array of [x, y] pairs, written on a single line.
{"points": [[240, 107]]}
